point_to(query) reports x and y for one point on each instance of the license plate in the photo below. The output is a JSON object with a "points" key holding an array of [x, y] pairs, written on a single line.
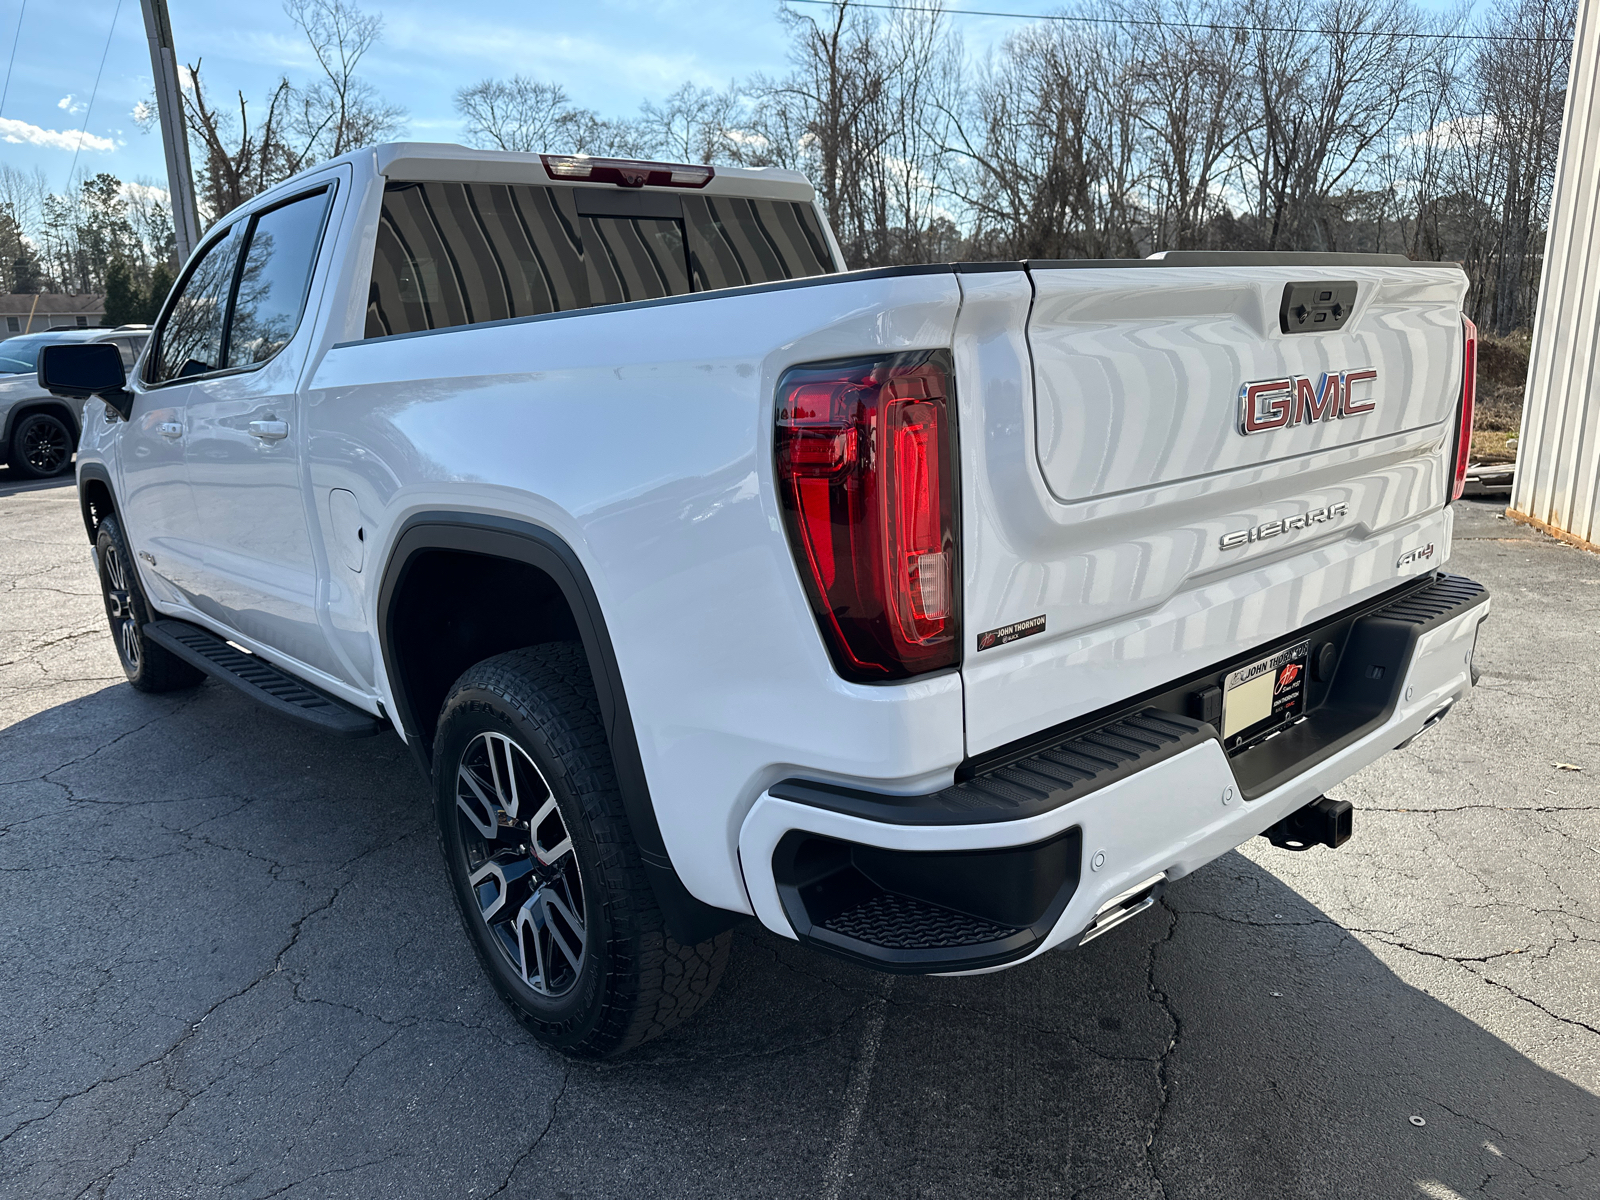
{"points": [[1266, 694]]}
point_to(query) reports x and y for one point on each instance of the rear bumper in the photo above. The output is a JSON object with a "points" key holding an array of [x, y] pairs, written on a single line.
{"points": [[1022, 856]]}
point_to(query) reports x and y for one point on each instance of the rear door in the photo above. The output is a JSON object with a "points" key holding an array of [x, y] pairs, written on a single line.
{"points": [[246, 441], [1168, 477]]}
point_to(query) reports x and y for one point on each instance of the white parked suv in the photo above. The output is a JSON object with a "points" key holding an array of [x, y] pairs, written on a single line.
{"points": [[934, 616]]}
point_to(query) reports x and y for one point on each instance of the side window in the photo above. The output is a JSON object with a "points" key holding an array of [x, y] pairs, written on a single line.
{"points": [[276, 276], [125, 349], [190, 342]]}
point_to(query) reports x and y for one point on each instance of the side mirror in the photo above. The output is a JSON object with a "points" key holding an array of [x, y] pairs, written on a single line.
{"points": [[81, 370]]}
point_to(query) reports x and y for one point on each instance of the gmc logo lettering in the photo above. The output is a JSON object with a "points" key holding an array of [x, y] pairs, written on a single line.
{"points": [[1295, 400]]}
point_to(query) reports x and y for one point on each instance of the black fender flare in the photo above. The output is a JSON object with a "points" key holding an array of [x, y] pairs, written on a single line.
{"points": [[97, 472], [689, 919]]}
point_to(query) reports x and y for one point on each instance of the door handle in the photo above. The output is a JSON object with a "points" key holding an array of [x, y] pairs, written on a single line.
{"points": [[170, 429], [269, 431]]}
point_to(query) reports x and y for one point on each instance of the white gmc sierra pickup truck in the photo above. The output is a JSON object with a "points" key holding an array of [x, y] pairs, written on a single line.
{"points": [[936, 616]]}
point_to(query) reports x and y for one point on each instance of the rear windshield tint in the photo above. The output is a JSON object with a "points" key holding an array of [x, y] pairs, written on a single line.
{"points": [[460, 253]]}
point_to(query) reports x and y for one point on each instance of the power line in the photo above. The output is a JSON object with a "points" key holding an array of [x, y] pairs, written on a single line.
{"points": [[13, 62], [1159, 24], [95, 92]]}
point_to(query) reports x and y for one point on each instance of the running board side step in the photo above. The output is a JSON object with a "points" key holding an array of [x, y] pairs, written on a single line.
{"points": [[260, 680]]}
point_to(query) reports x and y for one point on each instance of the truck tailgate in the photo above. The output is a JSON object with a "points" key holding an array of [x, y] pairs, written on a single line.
{"points": [[1121, 525]]}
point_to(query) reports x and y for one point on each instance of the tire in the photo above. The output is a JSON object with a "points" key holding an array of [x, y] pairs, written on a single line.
{"points": [[41, 446], [149, 667], [565, 923]]}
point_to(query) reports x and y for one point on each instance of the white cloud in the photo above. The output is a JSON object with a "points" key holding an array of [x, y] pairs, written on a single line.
{"points": [[147, 192], [1463, 131], [143, 112], [65, 102], [18, 132]]}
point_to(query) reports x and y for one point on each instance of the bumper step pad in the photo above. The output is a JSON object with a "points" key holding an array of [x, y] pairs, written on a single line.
{"points": [[1446, 597], [260, 680], [1031, 785], [896, 922]]}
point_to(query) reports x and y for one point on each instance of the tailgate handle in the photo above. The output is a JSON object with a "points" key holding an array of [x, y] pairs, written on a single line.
{"points": [[1319, 307]]}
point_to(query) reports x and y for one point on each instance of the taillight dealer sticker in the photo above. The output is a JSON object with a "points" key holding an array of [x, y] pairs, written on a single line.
{"points": [[1011, 633]]}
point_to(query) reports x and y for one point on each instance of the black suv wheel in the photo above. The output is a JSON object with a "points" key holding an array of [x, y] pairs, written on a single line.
{"points": [[543, 865], [41, 446]]}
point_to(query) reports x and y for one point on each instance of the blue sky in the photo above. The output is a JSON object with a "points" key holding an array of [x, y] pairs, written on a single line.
{"points": [[609, 54]]}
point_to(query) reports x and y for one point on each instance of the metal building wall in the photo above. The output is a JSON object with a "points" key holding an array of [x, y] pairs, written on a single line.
{"points": [[1558, 451]]}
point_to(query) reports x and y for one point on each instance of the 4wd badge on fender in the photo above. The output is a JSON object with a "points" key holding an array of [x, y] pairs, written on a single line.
{"points": [[1295, 400]]}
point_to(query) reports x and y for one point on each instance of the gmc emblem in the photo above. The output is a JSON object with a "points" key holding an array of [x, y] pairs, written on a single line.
{"points": [[1295, 400]]}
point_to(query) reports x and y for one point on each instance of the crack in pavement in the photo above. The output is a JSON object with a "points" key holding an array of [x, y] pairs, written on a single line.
{"points": [[189, 1035], [1164, 1062], [534, 1145]]}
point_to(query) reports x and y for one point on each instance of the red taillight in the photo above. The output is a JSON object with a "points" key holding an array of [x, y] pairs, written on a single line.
{"points": [[1469, 394], [866, 476], [626, 172]]}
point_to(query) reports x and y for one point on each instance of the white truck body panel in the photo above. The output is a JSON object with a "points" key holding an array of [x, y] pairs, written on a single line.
{"points": [[1099, 462]]}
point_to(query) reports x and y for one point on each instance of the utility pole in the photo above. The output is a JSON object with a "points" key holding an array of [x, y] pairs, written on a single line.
{"points": [[169, 100]]}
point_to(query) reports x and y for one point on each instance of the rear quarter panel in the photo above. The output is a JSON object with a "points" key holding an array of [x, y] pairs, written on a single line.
{"points": [[642, 436]]}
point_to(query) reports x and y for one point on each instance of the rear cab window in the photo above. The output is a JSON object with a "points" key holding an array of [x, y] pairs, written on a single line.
{"points": [[452, 254]]}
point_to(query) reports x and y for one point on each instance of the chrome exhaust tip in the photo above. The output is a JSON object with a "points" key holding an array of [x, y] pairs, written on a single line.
{"points": [[1124, 905]]}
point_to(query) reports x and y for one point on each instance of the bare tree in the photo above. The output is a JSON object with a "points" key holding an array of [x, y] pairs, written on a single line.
{"points": [[241, 152], [236, 158], [530, 117], [863, 113], [1326, 99], [1521, 96], [1050, 136], [694, 124], [150, 214], [340, 111], [1158, 124], [1193, 81], [518, 114]]}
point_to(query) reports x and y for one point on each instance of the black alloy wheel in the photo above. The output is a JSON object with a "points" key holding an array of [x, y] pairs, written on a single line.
{"points": [[41, 447], [522, 868], [119, 608], [549, 882], [149, 667]]}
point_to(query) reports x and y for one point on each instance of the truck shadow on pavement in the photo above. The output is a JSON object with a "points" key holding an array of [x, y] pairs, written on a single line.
{"points": [[233, 968]]}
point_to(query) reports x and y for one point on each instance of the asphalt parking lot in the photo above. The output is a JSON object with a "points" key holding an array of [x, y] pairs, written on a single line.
{"points": [[231, 968]]}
